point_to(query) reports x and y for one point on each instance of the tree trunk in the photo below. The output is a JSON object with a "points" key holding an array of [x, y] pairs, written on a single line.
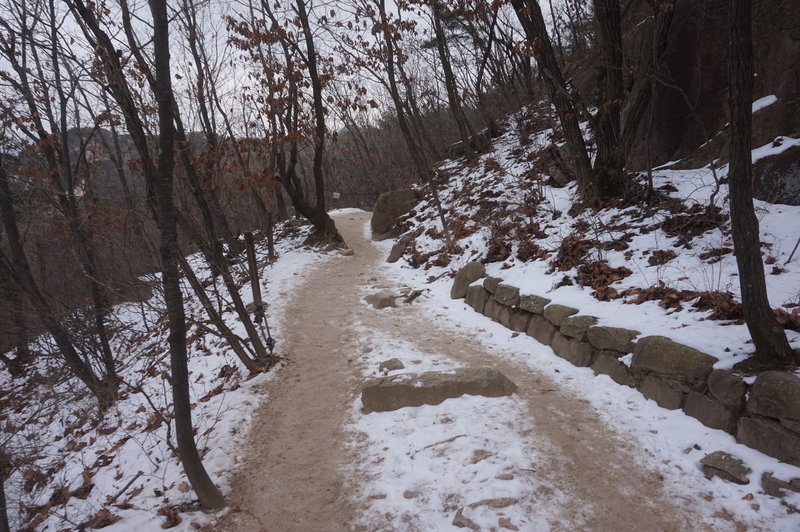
{"points": [[532, 20], [208, 494], [323, 223], [423, 171], [770, 341], [608, 177], [5, 468], [463, 125]]}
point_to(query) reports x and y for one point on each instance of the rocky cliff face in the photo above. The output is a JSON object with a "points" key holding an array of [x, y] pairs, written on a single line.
{"points": [[691, 94]]}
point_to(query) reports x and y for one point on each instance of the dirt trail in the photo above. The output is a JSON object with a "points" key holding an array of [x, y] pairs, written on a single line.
{"points": [[291, 478]]}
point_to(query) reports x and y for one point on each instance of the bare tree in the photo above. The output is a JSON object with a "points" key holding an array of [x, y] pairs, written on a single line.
{"points": [[158, 173], [770, 341]]}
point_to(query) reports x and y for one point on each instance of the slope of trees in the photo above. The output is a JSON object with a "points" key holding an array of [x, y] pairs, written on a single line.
{"points": [[131, 136]]}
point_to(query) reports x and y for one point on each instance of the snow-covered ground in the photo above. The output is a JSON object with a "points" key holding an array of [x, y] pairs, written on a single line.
{"points": [[423, 462], [127, 455], [502, 198]]}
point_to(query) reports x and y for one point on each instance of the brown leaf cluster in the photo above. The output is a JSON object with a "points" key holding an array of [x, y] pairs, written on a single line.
{"points": [[599, 276]]}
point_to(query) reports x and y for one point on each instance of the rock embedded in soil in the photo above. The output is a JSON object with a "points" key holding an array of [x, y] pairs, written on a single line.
{"points": [[402, 243], [725, 466], [776, 487], [431, 388], [382, 299]]}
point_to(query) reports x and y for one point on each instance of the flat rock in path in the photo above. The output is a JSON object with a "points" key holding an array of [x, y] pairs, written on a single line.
{"points": [[725, 466], [382, 299], [431, 388]]}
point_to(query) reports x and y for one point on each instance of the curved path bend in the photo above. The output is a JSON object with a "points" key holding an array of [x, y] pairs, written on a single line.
{"points": [[292, 479]]}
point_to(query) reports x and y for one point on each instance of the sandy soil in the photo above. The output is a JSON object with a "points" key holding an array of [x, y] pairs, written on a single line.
{"points": [[292, 478]]}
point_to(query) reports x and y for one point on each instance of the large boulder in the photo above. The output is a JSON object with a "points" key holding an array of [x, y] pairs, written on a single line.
{"points": [[777, 177], [613, 338], [465, 277], [389, 207], [660, 355], [775, 394], [431, 388]]}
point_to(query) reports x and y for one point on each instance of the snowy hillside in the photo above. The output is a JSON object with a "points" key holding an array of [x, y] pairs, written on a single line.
{"points": [[665, 267]]}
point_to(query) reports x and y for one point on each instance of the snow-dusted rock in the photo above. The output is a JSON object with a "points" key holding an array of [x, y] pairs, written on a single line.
{"points": [[477, 296], [382, 299], [660, 355], [533, 303], [507, 295], [465, 277], [431, 388], [391, 365], [402, 243], [555, 313], [576, 326], [725, 466], [775, 394], [614, 338]]}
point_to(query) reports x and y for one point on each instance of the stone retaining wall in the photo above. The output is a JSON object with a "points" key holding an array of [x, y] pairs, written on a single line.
{"points": [[764, 416]]}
